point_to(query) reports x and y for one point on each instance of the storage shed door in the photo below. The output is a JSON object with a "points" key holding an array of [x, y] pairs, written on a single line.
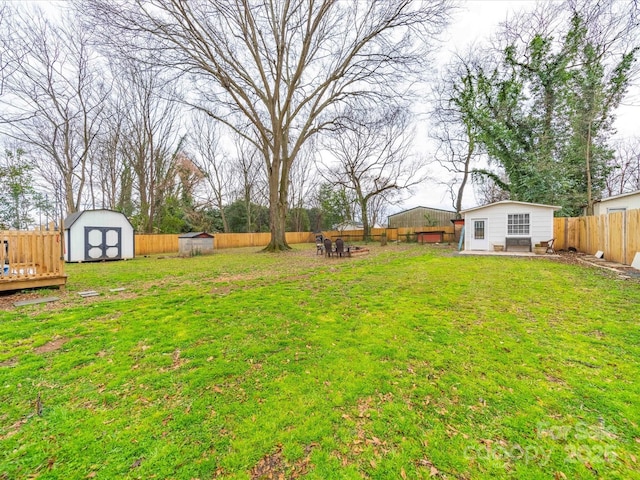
{"points": [[102, 243], [479, 239]]}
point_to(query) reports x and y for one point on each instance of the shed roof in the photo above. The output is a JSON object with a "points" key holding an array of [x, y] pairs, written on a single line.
{"points": [[196, 235], [73, 217], [511, 202], [621, 195], [426, 208]]}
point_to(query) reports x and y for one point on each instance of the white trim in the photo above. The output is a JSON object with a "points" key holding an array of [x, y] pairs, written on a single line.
{"points": [[511, 202], [506, 230], [620, 195]]}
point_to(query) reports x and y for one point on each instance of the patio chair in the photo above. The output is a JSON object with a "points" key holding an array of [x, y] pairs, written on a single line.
{"points": [[339, 247], [327, 246], [550, 248]]}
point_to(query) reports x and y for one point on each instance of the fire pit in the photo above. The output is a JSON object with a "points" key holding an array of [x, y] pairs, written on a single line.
{"points": [[357, 251]]}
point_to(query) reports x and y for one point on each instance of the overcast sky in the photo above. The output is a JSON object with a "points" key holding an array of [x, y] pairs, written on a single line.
{"points": [[474, 21]]}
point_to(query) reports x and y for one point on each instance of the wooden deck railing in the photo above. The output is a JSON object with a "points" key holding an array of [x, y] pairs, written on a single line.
{"points": [[31, 259]]}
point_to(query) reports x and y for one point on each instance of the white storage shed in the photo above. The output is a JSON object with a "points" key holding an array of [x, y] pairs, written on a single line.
{"points": [[617, 203], [96, 235], [514, 225]]}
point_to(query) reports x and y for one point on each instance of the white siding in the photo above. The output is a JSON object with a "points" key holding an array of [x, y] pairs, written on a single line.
{"points": [[75, 249], [629, 202], [540, 222]]}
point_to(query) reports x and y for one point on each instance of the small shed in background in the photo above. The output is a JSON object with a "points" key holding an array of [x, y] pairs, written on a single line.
{"points": [[96, 235], [195, 243]]}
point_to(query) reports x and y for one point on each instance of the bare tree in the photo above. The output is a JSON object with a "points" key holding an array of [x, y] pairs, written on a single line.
{"points": [[150, 142], [279, 71], [5, 66], [457, 145], [214, 162], [624, 168], [373, 158], [53, 98], [248, 170], [303, 184], [112, 177], [490, 188]]}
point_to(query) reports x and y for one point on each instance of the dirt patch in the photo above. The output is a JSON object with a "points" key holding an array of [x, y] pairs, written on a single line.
{"points": [[275, 466], [7, 299], [51, 346], [13, 429], [11, 362]]}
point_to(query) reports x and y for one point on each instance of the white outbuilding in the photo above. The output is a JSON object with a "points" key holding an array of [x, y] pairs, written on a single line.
{"points": [[617, 203], [96, 235], [514, 225]]}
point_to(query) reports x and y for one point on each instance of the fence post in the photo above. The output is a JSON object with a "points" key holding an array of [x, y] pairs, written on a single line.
{"points": [[625, 260]]}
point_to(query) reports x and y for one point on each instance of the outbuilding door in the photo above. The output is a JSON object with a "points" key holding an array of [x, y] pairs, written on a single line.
{"points": [[102, 243], [479, 234]]}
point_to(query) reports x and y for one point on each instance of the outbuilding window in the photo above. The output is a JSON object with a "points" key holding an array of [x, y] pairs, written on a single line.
{"points": [[518, 224]]}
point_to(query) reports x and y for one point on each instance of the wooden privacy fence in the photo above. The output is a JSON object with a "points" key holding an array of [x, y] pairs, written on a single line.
{"points": [[152, 244], [408, 234], [168, 243], [616, 234], [31, 259], [358, 235]]}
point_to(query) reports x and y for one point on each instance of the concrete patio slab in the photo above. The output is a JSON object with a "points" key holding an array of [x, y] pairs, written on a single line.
{"points": [[506, 254]]}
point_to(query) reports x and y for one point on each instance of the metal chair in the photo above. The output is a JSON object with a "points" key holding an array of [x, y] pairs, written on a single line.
{"points": [[327, 246], [550, 248]]}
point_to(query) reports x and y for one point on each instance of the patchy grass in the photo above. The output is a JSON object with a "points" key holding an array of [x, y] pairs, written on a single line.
{"points": [[407, 363]]}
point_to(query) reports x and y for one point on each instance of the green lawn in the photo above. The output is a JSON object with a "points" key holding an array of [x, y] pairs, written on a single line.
{"points": [[410, 362]]}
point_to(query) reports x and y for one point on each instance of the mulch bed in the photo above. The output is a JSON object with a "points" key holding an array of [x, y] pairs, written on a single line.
{"points": [[582, 259]]}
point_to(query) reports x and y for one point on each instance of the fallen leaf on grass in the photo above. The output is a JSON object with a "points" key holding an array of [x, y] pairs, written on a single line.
{"points": [[403, 474], [375, 441], [559, 476], [433, 471]]}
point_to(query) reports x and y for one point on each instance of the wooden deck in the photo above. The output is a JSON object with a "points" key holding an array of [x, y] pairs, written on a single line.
{"points": [[31, 260]]}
